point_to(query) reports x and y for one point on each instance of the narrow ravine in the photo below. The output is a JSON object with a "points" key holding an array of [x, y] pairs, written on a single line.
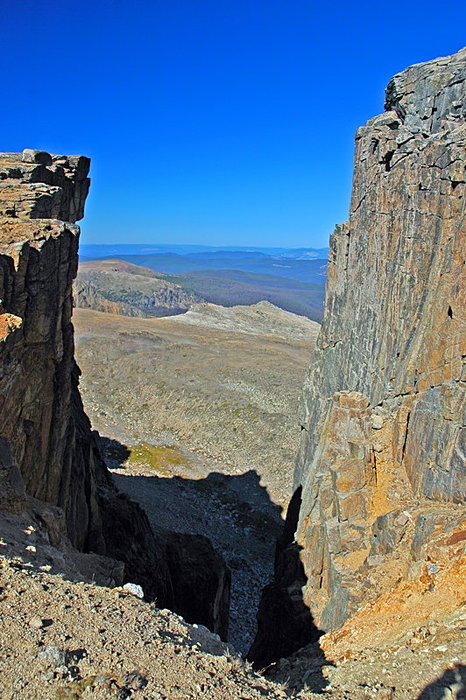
{"points": [[203, 407], [234, 512]]}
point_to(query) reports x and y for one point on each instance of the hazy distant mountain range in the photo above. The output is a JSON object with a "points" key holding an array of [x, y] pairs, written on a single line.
{"points": [[291, 278], [91, 252]]}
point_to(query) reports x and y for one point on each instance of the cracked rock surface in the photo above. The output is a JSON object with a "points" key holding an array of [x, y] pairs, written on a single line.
{"points": [[381, 464], [45, 434]]}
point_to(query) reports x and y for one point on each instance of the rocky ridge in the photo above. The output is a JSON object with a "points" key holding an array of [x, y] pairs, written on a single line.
{"points": [[380, 482], [64, 636], [262, 318], [65, 639], [47, 441], [118, 287]]}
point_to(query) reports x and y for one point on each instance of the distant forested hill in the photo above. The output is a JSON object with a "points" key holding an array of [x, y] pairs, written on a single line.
{"points": [[230, 287], [117, 250], [221, 276]]}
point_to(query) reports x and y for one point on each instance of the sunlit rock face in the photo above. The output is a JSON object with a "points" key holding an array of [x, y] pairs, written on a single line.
{"points": [[384, 402], [382, 458], [41, 413]]}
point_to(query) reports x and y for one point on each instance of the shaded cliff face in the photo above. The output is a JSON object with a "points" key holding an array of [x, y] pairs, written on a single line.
{"points": [[41, 413], [381, 463], [39, 377]]}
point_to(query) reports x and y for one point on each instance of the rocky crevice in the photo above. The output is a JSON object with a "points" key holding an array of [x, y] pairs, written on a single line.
{"points": [[41, 413]]}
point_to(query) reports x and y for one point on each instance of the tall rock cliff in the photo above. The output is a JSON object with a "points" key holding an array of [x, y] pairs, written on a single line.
{"points": [[381, 468], [41, 413]]}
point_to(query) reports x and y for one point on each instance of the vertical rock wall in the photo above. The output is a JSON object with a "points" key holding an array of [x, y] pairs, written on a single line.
{"points": [[382, 460], [41, 413]]}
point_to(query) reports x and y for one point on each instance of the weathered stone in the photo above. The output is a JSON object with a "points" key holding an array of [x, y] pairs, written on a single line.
{"points": [[52, 187], [36, 623], [384, 402], [387, 531], [134, 589], [42, 420], [32, 156], [53, 656]]}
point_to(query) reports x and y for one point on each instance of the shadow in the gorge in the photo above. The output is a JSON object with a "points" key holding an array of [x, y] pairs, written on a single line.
{"points": [[237, 514], [452, 683], [285, 623], [237, 503], [249, 499], [114, 452]]}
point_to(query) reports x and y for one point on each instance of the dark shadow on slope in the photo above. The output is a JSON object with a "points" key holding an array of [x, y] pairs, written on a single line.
{"points": [[453, 680], [114, 452], [187, 575], [285, 623], [234, 512]]}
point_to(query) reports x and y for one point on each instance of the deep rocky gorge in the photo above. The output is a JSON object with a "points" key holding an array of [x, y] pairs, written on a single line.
{"points": [[46, 432], [372, 555], [380, 480]]}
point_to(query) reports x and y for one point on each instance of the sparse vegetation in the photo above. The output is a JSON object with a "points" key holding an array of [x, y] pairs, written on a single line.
{"points": [[163, 460], [75, 690], [228, 396]]}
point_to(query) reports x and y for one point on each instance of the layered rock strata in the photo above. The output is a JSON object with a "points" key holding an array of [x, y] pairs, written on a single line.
{"points": [[382, 459], [41, 413]]}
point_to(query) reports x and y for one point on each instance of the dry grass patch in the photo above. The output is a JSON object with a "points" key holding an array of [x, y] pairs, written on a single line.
{"points": [[163, 460]]}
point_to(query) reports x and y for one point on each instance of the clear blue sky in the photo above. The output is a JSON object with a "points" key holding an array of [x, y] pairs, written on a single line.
{"points": [[216, 122]]}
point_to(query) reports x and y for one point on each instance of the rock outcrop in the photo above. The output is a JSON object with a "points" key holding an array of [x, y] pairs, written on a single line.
{"points": [[41, 414], [382, 458], [261, 319], [118, 287]]}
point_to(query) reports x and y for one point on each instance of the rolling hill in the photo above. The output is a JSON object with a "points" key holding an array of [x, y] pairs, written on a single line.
{"points": [[119, 286]]}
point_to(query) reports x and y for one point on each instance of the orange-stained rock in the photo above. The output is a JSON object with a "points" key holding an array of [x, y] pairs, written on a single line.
{"points": [[381, 468], [8, 324]]}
